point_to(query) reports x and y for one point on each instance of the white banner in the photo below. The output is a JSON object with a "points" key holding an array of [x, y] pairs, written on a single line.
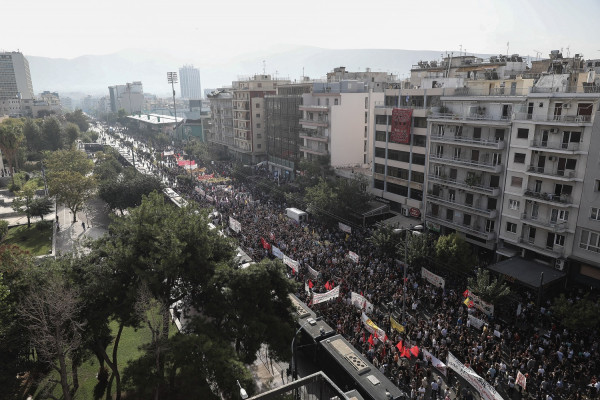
{"points": [[323, 297], [435, 362], [432, 278], [484, 307], [168, 153], [193, 166], [361, 302], [209, 198], [344, 228], [372, 327], [485, 390], [201, 191], [234, 224], [353, 256], [313, 273], [276, 252], [476, 322], [293, 264]]}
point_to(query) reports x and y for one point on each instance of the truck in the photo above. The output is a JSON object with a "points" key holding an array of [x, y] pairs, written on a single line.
{"points": [[296, 214]]}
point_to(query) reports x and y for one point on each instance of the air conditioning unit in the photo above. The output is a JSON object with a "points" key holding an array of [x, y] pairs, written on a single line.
{"points": [[405, 212], [560, 264], [554, 130]]}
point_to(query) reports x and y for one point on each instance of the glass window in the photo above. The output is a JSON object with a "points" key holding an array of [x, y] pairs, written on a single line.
{"points": [[590, 241], [516, 181], [595, 214], [513, 204], [510, 227], [522, 133], [520, 158]]}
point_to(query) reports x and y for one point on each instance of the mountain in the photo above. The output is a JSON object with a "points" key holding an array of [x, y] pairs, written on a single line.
{"points": [[92, 74]]}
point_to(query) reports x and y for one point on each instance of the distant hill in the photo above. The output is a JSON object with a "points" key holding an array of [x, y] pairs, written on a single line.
{"points": [[92, 74]]}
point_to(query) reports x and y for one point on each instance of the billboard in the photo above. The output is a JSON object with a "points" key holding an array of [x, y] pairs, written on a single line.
{"points": [[401, 125]]}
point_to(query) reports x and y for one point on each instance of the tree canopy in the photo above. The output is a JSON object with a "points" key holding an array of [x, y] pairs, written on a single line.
{"points": [[454, 252], [486, 288]]}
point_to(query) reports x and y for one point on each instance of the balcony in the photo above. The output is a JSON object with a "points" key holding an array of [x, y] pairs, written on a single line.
{"points": [[554, 226], [313, 108], [549, 198], [460, 227], [482, 119], [463, 162], [526, 243], [310, 134], [306, 149], [487, 190], [460, 206], [315, 122], [466, 141], [558, 147], [570, 120], [559, 174]]}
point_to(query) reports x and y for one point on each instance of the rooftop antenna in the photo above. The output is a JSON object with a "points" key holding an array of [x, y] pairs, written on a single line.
{"points": [[264, 67], [460, 49], [568, 51], [507, 47], [537, 54]]}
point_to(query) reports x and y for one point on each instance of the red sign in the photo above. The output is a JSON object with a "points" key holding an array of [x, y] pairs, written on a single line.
{"points": [[415, 212], [401, 124]]}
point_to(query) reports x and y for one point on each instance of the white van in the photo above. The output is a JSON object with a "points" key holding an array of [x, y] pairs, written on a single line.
{"points": [[296, 215]]}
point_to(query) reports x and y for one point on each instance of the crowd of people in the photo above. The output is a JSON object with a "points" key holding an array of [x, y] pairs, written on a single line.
{"points": [[557, 363]]}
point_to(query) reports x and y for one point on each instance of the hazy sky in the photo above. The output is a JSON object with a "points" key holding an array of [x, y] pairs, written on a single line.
{"points": [[213, 30]]}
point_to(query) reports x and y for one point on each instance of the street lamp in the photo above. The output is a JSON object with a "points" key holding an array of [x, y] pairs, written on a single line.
{"points": [[172, 79], [243, 393], [408, 232], [293, 366]]}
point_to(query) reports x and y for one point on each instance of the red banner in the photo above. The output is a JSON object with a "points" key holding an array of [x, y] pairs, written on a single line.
{"points": [[401, 124]]}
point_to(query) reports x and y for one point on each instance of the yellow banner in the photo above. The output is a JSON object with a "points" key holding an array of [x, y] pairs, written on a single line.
{"points": [[396, 325]]}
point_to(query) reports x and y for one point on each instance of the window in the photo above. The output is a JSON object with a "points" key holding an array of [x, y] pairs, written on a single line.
{"points": [[258, 125], [559, 240], [466, 219], [595, 214], [520, 158], [257, 115], [327, 101], [336, 102], [419, 140], [420, 122], [457, 153], [379, 168], [597, 185], [516, 181], [258, 146], [559, 215], [450, 215], [510, 227], [523, 133], [590, 241], [257, 105], [366, 102], [490, 224], [366, 117], [513, 204], [380, 136]]}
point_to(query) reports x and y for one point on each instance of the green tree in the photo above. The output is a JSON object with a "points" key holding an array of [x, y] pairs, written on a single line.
{"points": [[71, 134], [25, 199], [53, 132], [33, 134], [454, 252], [486, 288], [40, 207], [11, 138], [3, 228], [78, 118], [581, 314], [322, 199], [69, 179], [384, 239], [128, 189]]}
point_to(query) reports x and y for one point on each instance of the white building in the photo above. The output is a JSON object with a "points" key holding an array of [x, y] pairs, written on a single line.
{"points": [[129, 97], [189, 82], [15, 78]]}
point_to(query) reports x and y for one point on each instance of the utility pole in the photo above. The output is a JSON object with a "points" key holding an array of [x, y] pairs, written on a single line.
{"points": [[172, 79]]}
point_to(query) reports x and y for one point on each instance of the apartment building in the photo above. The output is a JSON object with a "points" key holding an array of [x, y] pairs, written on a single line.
{"points": [[15, 78], [129, 97], [189, 83], [376, 81], [249, 136], [552, 194], [282, 121], [335, 122], [221, 111]]}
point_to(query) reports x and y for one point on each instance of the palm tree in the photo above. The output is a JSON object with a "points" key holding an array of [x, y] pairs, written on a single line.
{"points": [[490, 291]]}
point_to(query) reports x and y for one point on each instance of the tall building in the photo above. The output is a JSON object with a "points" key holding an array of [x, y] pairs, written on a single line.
{"points": [[129, 97], [220, 133], [189, 82], [282, 121], [15, 78]]}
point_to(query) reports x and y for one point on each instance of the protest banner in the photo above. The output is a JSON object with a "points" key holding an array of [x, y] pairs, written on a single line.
{"points": [[353, 256], [476, 322], [435, 362], [521, 380], [396, 325], [486, 390], [323, 297], [360, 302], [432, 278], [372, 327], [313, 273], [483, 306], [293, 264], [235, 225], [277, 253], [344, 228], [200, 191]]}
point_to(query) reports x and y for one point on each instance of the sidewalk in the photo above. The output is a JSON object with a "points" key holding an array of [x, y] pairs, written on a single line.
{"points": [[71, 235]]}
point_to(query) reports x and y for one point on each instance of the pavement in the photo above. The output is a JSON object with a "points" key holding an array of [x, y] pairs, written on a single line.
{"points": [[92, 223]]}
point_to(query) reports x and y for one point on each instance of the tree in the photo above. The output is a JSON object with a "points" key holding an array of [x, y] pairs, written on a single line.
{"points": [[488, 290], [107, 167], [25, 198], [577, 315], [3, 229], [50, 312], [321, 199], [40, 207], [52, 131], [454, 252], [11, 137], [127, 190], [71, 134], [78, 118], [33, 134], [69, 179], [384, 239]]}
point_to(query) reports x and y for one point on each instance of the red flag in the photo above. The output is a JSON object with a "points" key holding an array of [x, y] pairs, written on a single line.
{"points": [[361, 293], [370, 340], [328, 285], [466, 293], [272, 236], [400, 346], [385, 338], [310, 284], [375, 335], [414, 351], [406, 353], [332, 285]]}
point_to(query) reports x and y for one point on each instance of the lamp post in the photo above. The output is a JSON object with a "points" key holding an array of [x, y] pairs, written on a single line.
{"points": [[408, 232], [172, 79], [243, 393], [293, 366]]}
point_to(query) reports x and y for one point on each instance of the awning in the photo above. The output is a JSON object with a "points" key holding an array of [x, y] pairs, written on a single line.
{"points": [[528, 272]]}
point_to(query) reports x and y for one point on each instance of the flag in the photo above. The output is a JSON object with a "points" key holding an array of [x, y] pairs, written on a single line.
{"points": [[370, 340], [396, 325], [468, 302], [332, 284], [405, 353], [466, 293], [310, 284], [272, 236], [400, 347], [328, 286], [521, 380], [414, 351]]}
